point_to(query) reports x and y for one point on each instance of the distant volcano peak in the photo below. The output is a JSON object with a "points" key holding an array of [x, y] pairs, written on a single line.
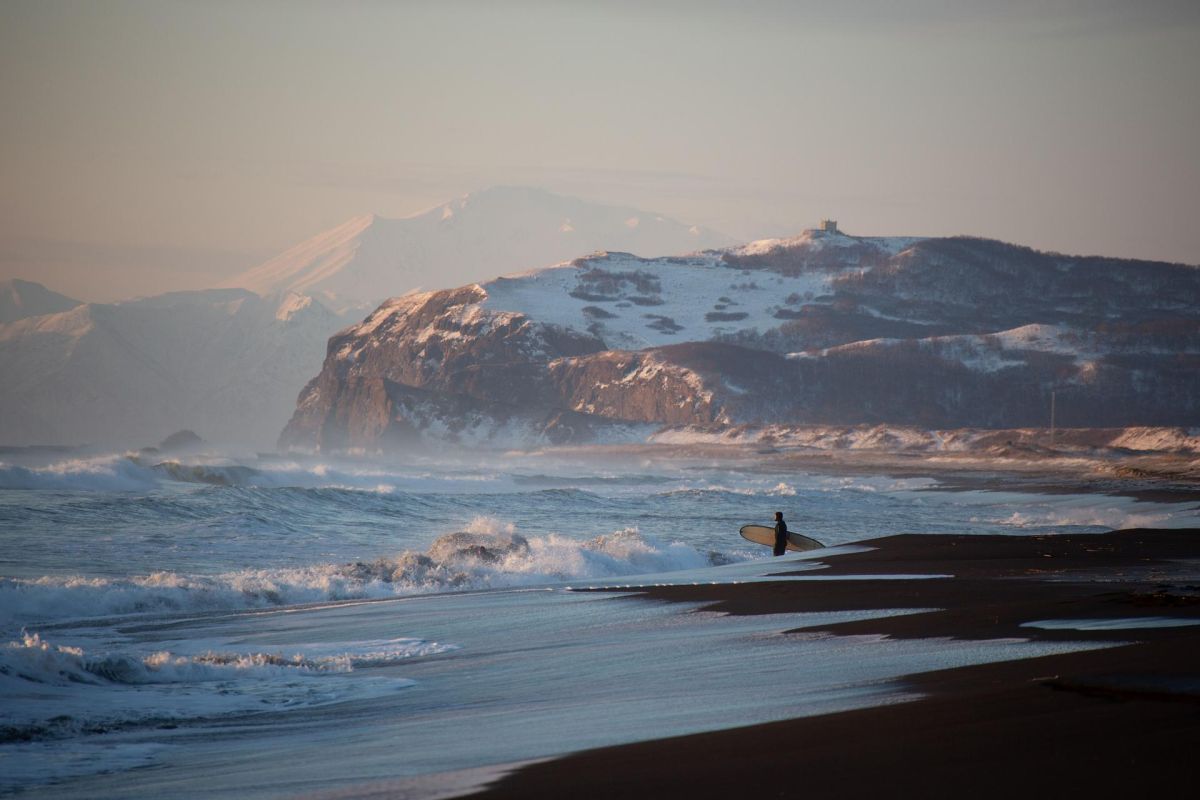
{"points": [[493, 231]]}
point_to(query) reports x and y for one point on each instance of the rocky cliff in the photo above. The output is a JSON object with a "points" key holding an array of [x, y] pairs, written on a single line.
{"points": [[823, 328]]}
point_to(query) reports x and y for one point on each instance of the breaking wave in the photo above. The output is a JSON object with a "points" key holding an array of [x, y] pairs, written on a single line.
{"points": [[54, 690], [780, 489], [132, 472], [487, 555], [112, 473], [34, 659]]}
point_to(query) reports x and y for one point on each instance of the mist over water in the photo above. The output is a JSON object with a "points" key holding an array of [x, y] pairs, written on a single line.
{"points": [[107, 534], [147, 604]]}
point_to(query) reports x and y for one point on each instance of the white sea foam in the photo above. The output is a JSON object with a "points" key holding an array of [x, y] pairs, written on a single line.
{"points": [[1100, 516], [488, 554], [53, 690], [1112, 624], [780, 489], [119, 472], [109, 473], [34, 659]]}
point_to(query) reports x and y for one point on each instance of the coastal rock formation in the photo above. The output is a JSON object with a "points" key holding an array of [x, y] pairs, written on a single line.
{"points": [[229, 363], [823, 328]]}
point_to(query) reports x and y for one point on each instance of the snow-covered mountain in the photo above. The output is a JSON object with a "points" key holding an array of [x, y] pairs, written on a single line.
{"points": [[491, 232], [20, 299], [821, 328], [226, 363], [229, 362]]}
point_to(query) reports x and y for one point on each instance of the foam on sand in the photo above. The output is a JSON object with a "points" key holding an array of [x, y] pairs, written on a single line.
{"points": [[1111, 624]]}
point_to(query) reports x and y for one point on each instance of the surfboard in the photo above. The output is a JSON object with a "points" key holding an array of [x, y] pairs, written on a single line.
{"points": [[765, 534]]}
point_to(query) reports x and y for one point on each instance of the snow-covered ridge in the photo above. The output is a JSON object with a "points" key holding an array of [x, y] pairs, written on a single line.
{"points": [[894, 329], [816, 240], [324, 255], [992, 352], [633, 303], [22, 299], [494, 231], [290, 305]]}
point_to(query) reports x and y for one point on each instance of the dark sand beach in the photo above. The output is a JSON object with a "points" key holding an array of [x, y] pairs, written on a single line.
{"points": [[1122, 721]]}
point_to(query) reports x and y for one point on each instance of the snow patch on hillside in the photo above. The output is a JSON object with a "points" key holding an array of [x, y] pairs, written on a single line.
{"points": [[291, 305], [993, 352], [896, 438], [632, 303], [1159, 440], [816, 241]]}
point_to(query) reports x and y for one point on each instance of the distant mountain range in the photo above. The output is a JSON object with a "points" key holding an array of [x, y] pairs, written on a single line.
{"points": [[229, 362], [492, 232], [823, 328], [20, 299], [225, 362]]}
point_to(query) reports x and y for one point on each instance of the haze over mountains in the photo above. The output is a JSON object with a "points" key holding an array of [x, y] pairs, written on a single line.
{"points": [[823, 328], [20, 299], [477, 237], [223, 362], [229, 362]]}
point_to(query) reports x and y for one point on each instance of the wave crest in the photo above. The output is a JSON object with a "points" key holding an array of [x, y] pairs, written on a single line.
{"points": [[54, 691], [489, 554], [111, 473], [36, 660]]}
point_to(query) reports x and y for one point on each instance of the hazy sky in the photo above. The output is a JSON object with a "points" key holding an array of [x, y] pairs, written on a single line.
{"points": [[154, 145]]}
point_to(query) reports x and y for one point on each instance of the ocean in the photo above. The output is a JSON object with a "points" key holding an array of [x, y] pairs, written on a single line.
{"points": [[271, 626]]}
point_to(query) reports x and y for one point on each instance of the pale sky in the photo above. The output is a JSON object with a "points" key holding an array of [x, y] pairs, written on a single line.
{"points": [[148, 146]]}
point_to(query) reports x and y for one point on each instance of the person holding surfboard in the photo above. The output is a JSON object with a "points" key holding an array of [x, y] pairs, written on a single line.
{"points": [[779, 538], [781, 534]]}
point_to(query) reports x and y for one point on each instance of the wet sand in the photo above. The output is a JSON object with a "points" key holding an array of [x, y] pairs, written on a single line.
{"points": [[1123, 721]]}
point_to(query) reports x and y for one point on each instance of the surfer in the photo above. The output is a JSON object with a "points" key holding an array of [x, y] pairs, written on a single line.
{"points": [[781, 539]]}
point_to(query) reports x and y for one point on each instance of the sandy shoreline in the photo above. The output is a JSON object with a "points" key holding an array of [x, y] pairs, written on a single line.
{"points": [[1118, 721]]}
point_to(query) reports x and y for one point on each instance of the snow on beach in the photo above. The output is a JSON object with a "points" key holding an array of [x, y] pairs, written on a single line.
{"points": [[908, 439]]}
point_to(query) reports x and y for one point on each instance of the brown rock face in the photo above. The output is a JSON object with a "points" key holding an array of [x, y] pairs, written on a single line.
{"points": [[435, 359], [818, 330], [695, 383], [634, 386]]}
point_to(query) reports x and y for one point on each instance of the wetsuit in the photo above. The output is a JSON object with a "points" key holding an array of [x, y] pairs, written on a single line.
{"points": [[780, 537]]}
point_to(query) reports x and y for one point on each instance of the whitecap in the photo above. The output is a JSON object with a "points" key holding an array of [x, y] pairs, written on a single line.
{"points": [[487, 554]]}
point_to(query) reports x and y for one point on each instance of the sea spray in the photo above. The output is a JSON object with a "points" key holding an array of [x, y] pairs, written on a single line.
{"points": [[107, 473], [487, 554]]}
